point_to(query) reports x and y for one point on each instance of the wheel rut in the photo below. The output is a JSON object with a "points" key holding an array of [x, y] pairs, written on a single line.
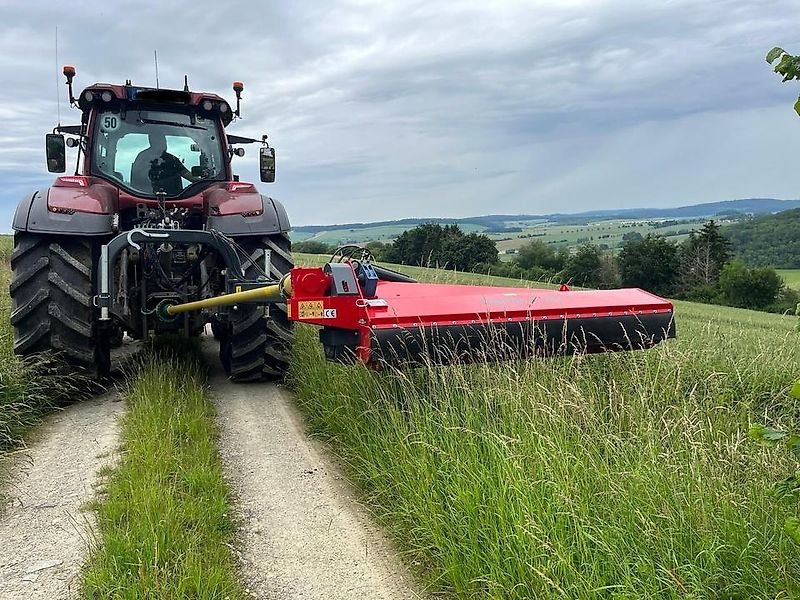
{"points": [[45, 531], [302, 535]]}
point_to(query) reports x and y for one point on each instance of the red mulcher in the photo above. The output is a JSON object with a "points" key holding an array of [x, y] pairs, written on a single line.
{"points": [[378, 321]]}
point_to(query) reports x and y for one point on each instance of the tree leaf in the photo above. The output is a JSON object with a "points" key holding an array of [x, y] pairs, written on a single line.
{"points": [[792, 528], [797, 110], [774, 53], [795, 391], [794, 445], [773, 435]]}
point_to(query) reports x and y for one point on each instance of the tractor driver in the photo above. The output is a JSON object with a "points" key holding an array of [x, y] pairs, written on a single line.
{"points": [[157, 169]]}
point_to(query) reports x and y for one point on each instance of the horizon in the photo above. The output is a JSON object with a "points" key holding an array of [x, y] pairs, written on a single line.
{"points": [[580, 213]]}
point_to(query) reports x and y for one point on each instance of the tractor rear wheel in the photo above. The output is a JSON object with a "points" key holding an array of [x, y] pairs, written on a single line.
{"points": [[52, 288], [257, 341]]}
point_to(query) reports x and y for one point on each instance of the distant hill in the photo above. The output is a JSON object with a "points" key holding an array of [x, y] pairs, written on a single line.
{"points": [[727, 208], [768, 240]]}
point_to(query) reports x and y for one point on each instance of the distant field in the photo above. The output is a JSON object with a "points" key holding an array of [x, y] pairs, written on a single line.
{"points": [[608, 231], [382, 233], [601, 232], [791, 277]]}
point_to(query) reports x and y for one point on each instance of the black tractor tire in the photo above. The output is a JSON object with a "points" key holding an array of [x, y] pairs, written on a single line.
{"points": [[256, 344], [52, 290]]}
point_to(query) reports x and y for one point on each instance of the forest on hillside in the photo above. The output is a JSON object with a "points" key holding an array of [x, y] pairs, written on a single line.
{"points": [[768, 241]]}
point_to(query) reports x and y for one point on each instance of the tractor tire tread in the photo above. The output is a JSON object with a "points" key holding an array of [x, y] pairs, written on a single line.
{"points": [[259, 340], [51, 291]]}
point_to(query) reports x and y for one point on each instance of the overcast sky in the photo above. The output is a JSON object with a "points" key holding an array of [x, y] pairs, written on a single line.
{"points": [[383, 110]]}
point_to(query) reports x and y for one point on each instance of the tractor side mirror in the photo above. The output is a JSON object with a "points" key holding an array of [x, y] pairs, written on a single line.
{"points": [[267, 164], [56, 150]]}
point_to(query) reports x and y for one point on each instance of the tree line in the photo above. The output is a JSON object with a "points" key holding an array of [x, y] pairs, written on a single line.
{"points": [[700, 269]]}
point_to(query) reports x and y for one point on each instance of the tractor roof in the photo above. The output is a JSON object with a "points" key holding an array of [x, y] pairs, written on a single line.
{"points": [[131, 93]]}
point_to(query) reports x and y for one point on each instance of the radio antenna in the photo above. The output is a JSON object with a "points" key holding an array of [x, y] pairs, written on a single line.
{"points": [[155, 57], [58, 83]]}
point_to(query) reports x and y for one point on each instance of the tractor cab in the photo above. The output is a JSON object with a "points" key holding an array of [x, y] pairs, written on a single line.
{"points": [[153, 143]]}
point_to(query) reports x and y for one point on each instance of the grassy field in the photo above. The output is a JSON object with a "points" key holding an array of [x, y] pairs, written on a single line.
{"points": [[164, 511], [382, 233], [791, 277], [615, 476]]}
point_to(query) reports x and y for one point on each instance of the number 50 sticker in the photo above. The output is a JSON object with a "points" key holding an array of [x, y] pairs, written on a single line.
{"points": [[329, 313], [109, 122]]}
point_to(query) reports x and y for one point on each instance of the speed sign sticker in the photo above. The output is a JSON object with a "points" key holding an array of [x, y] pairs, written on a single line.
{"points": [[109, 122]]}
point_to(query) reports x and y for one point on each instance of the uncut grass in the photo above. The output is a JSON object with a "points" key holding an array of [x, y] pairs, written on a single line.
{"points": [[614, 476], [163, 513], [28, 388]]}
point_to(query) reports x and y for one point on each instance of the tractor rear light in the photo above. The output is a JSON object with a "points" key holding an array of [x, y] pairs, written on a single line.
{"points": [[107, 96], [223, 108], [207, 105], [251, 213], [62, 210], [240, 187], [88, 95], [71, 181]]}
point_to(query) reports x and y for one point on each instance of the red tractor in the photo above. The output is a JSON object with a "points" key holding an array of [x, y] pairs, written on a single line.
{"points": [[155, 164], [154, 233]]}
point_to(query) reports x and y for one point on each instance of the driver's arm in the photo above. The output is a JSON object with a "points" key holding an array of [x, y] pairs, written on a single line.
{"points": [[184, 172]]}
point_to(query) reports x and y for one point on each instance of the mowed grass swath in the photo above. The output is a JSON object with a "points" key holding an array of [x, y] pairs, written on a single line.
{"points": [[612, 476]]}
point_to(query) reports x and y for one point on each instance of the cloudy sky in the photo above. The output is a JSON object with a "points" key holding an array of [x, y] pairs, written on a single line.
{"points": [[390, 109]]}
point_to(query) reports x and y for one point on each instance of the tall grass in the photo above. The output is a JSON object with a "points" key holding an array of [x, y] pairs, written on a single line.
{"points": [[613, 476], [163, 513], [27, 388]]}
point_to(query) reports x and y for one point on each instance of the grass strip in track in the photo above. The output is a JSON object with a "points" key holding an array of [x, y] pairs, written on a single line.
{"points": [[163, 513]]}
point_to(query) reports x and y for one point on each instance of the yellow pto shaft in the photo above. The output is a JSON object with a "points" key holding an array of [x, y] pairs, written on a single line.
{"points": [[276, 291]]}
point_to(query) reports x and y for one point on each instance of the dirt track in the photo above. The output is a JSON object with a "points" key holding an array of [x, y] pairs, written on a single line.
{"points": [[44, 533], [303, 535]]}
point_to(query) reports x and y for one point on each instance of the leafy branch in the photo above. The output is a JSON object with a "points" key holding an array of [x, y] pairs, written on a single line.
{"points": [[787, 65], [786, 490]]}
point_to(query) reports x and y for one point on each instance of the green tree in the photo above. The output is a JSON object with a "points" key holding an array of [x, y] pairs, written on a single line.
{"points": [[650, 263], [422, 244], [702, 257], [432, 244], [313, 247], [379, 249], [787, 65], [465, 252], [583, 268], [756, 288], [538, 254]]}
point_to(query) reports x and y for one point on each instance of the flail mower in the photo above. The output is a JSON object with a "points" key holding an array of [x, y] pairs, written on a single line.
{"points": [[154, 233]]}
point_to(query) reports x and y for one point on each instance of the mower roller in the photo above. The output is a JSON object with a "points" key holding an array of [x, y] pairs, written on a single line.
{"points": [[154, 233]]}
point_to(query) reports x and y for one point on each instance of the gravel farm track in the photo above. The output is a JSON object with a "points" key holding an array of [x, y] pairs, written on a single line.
{"points": [[303, 534]]}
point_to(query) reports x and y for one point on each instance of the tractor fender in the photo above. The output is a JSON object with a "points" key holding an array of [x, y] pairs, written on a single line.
{"points": [[32, 215], [273, 219]]}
